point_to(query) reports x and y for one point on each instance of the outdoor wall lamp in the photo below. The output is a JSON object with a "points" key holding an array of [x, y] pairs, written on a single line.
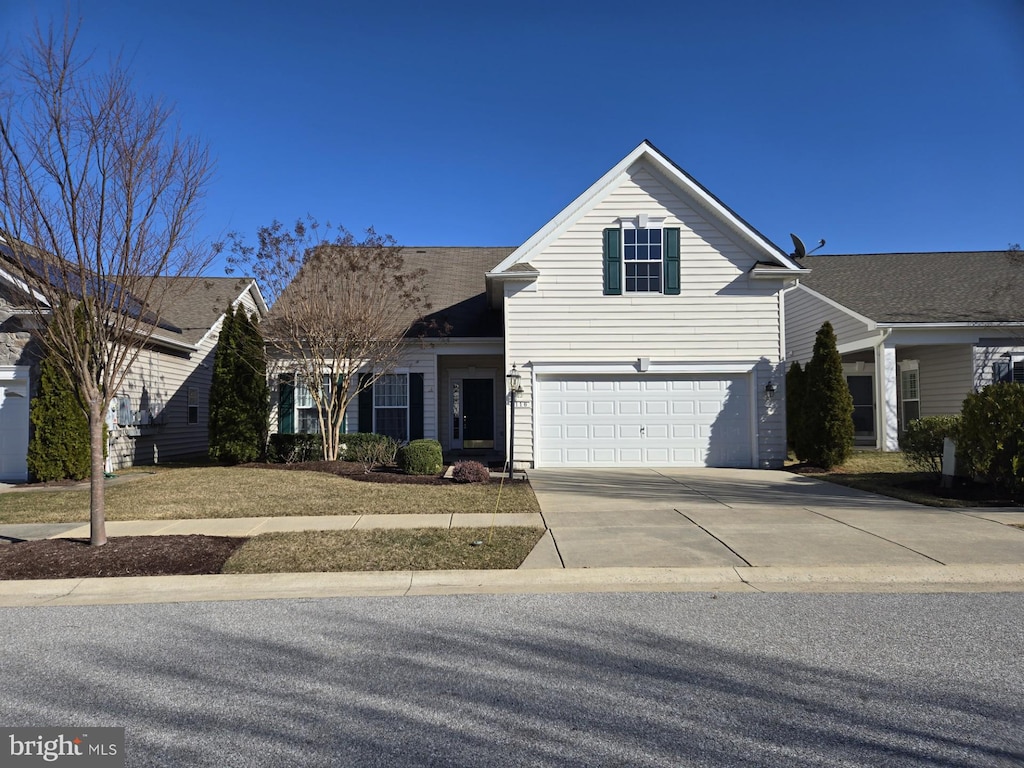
{"points": [[769, 389]]}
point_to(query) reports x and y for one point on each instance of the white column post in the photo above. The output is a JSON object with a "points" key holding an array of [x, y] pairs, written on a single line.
{"points": [[889, 427]]}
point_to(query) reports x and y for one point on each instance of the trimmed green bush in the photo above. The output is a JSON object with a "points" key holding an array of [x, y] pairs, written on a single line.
{"points": [[239, 395], [294, 448], [795, 386], [992, 434], [420, 457], [826, 422], [922, 442], [470, 472], [59, 447]]}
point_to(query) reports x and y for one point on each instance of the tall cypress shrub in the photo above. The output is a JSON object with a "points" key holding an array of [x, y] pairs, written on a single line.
{"points": [[795, 386], [827, 422], [239, 396], [59, 446]]}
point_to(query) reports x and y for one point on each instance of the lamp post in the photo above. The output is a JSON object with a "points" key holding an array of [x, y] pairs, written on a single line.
{"points": [[515, 381]]}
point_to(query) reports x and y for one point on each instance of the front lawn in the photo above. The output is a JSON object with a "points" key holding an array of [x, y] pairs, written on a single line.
{"points": [[204, 492], [890, 475]]}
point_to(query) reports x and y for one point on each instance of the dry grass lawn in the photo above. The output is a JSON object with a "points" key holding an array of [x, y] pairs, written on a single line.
{"points": [[423, 549], [204, 492]]}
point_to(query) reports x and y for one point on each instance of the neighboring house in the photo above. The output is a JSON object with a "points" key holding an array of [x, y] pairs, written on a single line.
{"points": [[161, 413], [646, 322], [917, 332]]}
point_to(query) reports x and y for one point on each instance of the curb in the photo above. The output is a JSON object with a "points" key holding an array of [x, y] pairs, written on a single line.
{"points": [[292, 586]]}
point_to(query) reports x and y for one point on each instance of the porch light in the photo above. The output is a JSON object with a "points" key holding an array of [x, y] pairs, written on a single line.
{"points": [[515, 380], [769, 388], [515, 386]]}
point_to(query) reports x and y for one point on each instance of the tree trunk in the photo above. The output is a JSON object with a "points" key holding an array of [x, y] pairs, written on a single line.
{"points": [[97, 505]]}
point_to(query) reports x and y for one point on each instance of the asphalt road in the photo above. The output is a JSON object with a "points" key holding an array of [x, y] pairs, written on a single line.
{"points": [[533, 680]]}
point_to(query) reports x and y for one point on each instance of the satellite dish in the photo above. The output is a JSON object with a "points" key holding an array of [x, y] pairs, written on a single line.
{"points": [[799, 249]]}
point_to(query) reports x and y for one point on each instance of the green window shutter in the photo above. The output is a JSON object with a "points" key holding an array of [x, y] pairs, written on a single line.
{"points": [[286, 404], [672, 262], [415, 406], [613, 262], [365, 404]]}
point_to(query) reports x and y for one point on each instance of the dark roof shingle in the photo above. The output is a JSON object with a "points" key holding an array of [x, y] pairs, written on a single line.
{"points": [[940, 287]]}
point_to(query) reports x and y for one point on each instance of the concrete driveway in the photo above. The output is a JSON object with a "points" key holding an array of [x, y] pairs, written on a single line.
{"points": [[731, 517]]}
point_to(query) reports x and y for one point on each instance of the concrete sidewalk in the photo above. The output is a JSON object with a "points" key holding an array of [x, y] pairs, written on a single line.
{"points": [[624, 530]]}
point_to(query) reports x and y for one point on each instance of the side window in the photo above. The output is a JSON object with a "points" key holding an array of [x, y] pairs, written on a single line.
{"points": [[193, 405], [910, 395]]}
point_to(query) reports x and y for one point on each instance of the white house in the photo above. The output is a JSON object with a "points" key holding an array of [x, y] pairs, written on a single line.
{"points": [[645, 320], [917, 332]]}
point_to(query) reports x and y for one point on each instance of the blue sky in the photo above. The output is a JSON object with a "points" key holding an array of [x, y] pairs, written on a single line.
{"points": [[880, 126]]}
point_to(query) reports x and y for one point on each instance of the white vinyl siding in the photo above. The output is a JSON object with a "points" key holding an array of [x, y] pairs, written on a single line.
{"points": [[721, 314], [805, 314], [944, 376]]}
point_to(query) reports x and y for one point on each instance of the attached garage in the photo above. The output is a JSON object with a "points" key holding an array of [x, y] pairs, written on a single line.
{"points": [[644, 420], [14, 402]]}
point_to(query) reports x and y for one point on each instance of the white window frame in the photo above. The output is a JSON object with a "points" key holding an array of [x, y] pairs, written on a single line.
{"points": [[307, 423], [909, 370], [644, 222]]}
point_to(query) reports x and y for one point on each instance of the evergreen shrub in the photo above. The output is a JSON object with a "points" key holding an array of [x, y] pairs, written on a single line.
{"points": [[59, 446], [826, 422], [420, 457], [922, 443], [992, 434]]}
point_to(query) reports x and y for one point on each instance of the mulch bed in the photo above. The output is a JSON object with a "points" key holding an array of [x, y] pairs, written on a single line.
{"points": [[120, 556]]}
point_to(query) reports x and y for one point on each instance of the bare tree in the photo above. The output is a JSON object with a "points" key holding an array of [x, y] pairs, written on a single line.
{"points": [[339, 307], [98, 197]]}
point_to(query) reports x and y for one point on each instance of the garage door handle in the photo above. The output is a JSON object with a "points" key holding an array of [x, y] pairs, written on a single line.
{"points": [[642, 429]]}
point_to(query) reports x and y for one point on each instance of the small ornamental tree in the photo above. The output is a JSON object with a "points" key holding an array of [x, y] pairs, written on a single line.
{"points": [[239, 396], [342, 310], [827, 424], [991, 435], [59, 447], [795, 381]]}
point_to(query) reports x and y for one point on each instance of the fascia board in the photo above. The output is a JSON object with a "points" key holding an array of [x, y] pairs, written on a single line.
{"points": [[22, 286], [871, 324]]}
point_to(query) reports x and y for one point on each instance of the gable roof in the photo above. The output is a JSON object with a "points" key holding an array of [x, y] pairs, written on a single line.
{"points": [[940, 287], [765, 250], [194, 304]]}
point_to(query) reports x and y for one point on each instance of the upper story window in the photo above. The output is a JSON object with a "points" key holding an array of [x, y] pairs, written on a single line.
{"points": [[641, 256], [642, 251]]}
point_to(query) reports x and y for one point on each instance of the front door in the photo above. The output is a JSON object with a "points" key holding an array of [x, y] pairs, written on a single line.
{"points": [[862, 388], [473, 413]]}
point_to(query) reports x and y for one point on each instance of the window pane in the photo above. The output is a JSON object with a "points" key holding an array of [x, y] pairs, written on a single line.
{"points": [[308, 422], [393, 422], [302, 397], [630, 236], [391, 391]]}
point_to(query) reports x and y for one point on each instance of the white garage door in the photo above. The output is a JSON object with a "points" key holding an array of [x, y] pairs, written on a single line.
{"points": [[13, 430], [695, 421]]}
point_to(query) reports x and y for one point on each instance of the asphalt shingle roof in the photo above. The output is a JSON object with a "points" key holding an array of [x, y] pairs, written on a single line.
{"points": [[193, 305], [942, 287], [455, 287]]}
